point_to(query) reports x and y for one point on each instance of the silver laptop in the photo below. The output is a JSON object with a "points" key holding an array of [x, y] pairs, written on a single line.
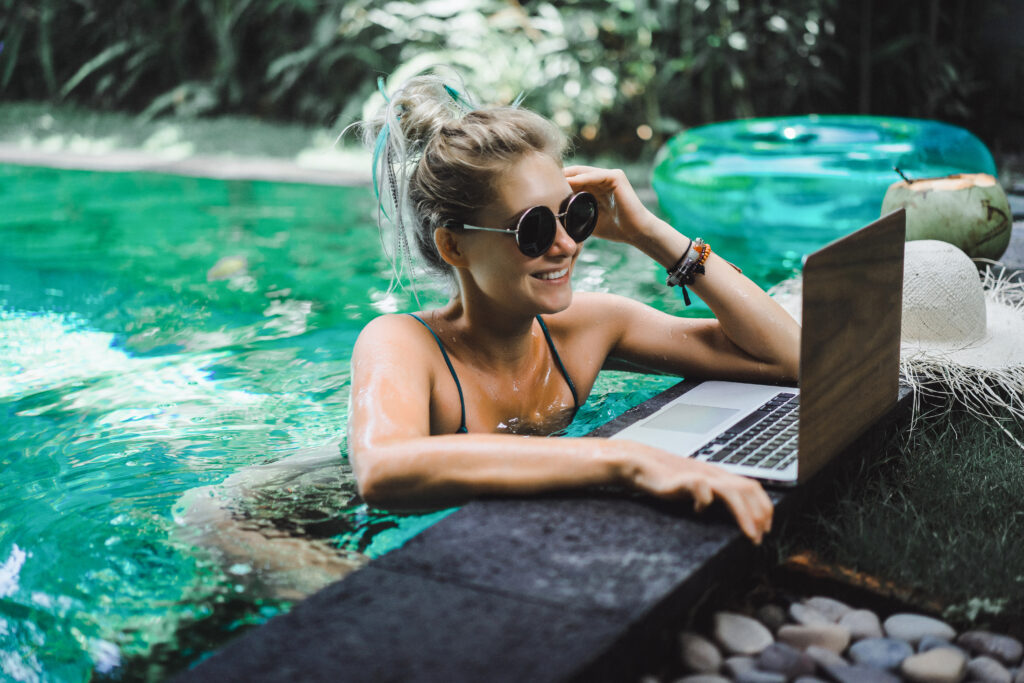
{"points": [[849, 372]]}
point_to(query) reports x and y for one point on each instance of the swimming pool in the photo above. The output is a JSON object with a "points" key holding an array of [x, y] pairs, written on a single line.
{"points": [[159, 334]]}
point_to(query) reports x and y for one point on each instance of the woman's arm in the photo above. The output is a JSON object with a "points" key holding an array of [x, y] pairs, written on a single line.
{"points": [[399, 465], [752, 336]]}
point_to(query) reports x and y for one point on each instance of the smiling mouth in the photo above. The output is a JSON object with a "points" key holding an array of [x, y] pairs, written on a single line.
{"points": [[553, 275]]}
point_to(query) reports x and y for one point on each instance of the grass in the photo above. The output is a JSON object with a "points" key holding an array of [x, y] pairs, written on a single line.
{"points": [[937, 512]]}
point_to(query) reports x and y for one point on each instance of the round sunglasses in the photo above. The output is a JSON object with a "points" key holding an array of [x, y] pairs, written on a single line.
{"points": [[536, 228]]}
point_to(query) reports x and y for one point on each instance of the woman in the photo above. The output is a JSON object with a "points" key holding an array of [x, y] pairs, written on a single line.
{"points": [[438, 397]]}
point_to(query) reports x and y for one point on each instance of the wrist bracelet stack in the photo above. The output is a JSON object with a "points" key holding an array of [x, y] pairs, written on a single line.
{"points": [[687, 268]]}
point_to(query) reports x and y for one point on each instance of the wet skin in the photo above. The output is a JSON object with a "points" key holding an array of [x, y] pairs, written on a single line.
{"points": [[405, 407]]}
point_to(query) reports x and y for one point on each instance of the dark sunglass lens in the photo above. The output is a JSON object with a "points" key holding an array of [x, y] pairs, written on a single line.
{"points": [[581, 216], [536, 231]]}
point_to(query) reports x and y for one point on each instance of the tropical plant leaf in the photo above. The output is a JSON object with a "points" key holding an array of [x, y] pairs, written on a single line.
{"points": [[94, 64]]}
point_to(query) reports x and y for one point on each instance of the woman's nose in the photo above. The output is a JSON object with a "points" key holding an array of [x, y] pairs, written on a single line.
{"points": [[563, 244]]}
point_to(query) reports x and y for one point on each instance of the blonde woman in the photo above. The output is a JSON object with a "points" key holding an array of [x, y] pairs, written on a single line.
{"points": [[442, 399]]}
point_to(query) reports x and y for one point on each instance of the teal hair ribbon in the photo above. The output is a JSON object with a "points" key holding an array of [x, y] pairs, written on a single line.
{"points": [[378, 148]]}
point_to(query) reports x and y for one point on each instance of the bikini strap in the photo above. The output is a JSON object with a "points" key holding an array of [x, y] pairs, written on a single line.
{"points": [[462, 401], [561, 367]]}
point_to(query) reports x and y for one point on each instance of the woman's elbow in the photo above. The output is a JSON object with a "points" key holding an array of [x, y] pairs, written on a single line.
{"points": [[369, 481]]}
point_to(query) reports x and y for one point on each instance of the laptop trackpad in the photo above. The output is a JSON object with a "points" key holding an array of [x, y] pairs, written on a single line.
{"points": [[690, 417]]}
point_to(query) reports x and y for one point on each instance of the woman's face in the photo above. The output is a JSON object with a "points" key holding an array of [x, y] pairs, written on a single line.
{"points": [[539, 284]]}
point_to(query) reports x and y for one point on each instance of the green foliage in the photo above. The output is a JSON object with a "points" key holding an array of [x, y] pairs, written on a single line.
{"points": [[618, 71]]}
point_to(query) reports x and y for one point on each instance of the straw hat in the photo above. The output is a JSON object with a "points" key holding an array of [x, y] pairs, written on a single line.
{"points": [[962, 335]]}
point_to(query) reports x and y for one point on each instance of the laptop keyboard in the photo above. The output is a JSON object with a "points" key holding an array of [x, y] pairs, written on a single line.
{"points": [[765, 439]]}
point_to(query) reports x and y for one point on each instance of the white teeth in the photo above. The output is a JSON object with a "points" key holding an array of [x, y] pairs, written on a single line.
{"points": [[552, 275]]}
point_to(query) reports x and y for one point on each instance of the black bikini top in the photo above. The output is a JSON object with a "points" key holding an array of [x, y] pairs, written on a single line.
{"points": [[554, 353]]}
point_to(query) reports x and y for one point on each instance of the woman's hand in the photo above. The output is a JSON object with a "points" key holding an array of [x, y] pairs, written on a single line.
{"points": [[621, 215], [664, 475]]}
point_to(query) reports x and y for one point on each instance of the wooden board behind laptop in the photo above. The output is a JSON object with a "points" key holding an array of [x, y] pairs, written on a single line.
{"points": [[853, 293]]}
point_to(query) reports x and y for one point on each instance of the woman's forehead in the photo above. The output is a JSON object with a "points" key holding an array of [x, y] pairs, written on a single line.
{"points": [[534, 180]]}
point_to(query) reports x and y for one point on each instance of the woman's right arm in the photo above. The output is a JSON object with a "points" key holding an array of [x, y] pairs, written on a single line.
{"points": [[399, 465]]}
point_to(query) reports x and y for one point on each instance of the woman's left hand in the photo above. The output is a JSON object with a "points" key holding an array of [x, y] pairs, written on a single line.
{"points": [[621, 215]]}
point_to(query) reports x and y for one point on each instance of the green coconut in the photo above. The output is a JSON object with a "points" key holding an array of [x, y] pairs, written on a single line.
{"points": [[968, 210]]}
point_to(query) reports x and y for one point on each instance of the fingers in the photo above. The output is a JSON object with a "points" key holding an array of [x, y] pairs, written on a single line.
{"points": [[750, 506]]}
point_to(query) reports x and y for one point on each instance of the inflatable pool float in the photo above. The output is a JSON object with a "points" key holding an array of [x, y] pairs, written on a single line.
{"points": [[782, 187]]}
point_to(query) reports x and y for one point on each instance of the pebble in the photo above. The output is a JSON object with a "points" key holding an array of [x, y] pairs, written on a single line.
{"points": [[860, 674], [987, 670], [1004, 648], [880, 653], [824, 657], [699, 654], [831, 636], [862, 623], [940, 665], [734, 666], [913, 627], [703, 678], [931, 642], [807, 616], [756, 676], [739, 634], [833, 609], [772, 616], [783, 659], [1019, 676], [809, 679]]}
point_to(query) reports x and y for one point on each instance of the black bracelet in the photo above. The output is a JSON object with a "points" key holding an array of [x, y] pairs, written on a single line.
{"points": [[686, 269]]}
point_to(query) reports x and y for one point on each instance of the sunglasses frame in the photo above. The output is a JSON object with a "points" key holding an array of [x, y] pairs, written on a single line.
{"points": [[558, 217]]}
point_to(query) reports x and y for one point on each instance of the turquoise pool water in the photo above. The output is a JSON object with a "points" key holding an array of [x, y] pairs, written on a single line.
{"points": [[159, 334]]}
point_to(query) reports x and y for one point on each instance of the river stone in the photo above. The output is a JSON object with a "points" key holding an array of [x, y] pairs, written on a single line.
{"points": [[940, 665], [772, 616], [809, 679], [824, 657], [931, 642], [1018, 677], [831, 636], [833, 609], [862, 623], [1006, 649], [913, 627], [786, 660], [807, 616], [987, 670], [698, 653], [740, 635], [703, 678], [881, 653], [734, 666], [756, 676], [860, 674]]}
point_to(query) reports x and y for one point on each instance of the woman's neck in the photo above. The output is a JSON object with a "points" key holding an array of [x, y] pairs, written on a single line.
{"points": [[495, 335]]}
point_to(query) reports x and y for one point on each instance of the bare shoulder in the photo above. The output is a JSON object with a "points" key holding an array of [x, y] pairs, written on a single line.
{"points": [[392, 336], [597, 310]]}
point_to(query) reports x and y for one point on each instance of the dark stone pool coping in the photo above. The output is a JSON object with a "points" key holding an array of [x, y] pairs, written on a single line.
{"points": [[547, 589]]}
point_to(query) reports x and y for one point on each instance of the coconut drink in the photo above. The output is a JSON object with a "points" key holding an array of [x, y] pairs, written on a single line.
{"points": [[967, 210]]}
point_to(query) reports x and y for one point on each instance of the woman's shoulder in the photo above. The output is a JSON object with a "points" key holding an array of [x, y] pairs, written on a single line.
{"points": [[588, 308], [396, 332]]}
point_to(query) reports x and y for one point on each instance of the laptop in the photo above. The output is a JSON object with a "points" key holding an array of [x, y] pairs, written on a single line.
{"points": [[849, 372]]}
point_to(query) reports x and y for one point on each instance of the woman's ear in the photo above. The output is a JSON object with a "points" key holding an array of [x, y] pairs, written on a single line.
{"points": [[447, 243]]}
